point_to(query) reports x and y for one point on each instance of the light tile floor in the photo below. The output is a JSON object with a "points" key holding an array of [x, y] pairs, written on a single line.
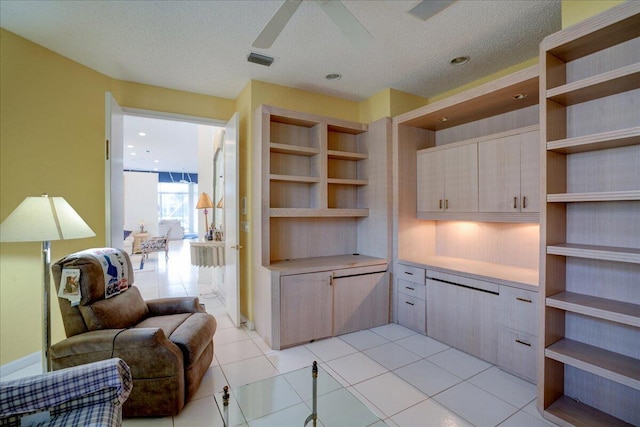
{"points": [[405, 378]]}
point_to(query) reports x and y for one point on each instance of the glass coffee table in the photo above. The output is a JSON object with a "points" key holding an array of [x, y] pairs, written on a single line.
{"points": [[288, 400]]}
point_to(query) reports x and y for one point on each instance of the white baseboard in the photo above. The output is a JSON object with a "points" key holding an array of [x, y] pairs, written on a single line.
{"points": [[18, 364], [250, 325]]}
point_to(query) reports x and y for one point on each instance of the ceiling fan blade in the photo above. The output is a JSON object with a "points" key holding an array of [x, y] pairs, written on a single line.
{"points": [[427, 8], [346, 22], [275, 26]]}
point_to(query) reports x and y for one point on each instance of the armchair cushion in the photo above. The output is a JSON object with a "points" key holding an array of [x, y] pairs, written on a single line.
{"points": [[122, 311], [90, 394]]}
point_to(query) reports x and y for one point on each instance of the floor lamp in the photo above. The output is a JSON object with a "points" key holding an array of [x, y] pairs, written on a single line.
{"points": [[42, 219]]}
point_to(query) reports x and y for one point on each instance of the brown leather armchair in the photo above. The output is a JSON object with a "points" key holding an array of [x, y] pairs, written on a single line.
{"points": [[167, 343]]}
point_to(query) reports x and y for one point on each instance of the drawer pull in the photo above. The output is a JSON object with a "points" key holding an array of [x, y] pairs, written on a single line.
{"points": [[410, 274], [410, 303], [523, 343], [515, 202], [524, 202], [411, 289], [523, 300]]}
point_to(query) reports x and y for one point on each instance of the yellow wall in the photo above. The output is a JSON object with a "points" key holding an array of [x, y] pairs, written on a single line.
{"points": [[574, 11], [52, 139]]}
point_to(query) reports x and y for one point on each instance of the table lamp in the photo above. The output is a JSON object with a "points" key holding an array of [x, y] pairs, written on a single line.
{"points": [[204, 202], [42, 219]]}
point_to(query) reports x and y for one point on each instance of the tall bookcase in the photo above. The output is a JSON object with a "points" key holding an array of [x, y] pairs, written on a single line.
{"points": [[322, 225], [589, 371]]}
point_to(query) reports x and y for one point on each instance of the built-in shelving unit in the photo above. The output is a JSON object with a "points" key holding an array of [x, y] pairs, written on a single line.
{"points": [[590, 223], [319, 178], [321, 225]]}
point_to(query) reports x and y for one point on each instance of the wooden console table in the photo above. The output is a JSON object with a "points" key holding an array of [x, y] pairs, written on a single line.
{"points": [[207, 254]]}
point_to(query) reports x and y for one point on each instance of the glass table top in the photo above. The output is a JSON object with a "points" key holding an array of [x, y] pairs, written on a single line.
{"points": [[287, 400]]}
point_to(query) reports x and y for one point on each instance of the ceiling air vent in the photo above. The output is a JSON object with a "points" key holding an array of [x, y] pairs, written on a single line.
{"points": [[256, 58]]}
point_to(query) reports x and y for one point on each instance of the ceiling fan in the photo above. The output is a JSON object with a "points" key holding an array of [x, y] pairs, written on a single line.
{"points": [[337, 12], [353, 30]]}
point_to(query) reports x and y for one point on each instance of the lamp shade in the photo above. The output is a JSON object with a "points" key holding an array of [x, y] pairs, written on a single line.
{"points": [[44, 218], [204, 202], [220, 204]]}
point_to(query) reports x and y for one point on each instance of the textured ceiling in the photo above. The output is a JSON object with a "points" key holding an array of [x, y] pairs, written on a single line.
{"points": [[202, 46]]}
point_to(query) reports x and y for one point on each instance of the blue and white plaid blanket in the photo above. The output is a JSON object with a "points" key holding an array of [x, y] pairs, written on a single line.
{"points": [[85, 395]]}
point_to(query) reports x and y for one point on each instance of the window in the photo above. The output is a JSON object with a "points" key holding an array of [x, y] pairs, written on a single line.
{"points": [[178, 201]]}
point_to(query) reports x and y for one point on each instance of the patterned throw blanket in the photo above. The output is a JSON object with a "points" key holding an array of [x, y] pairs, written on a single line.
{"points": [[116, 273]]}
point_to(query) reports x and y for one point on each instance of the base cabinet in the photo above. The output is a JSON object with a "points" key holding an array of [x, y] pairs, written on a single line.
{"points": [[329, 303], [463, 313], [410, 303], [360, 302], [412, 313], [305, 307]]}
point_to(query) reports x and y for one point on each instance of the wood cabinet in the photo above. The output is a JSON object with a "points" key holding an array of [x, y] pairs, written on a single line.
{"points": [[411, 301], [508, 173], [517, 342], [321, 203], [360, 302], [590, 228], [330, 303], [448, 179], [463, 313], [306, 307]]}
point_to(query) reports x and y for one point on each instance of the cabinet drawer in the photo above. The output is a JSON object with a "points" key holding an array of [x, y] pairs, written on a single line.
{"points": [[411, 289], [411, 274], [519, 309], [517, 353], [411, 313]]}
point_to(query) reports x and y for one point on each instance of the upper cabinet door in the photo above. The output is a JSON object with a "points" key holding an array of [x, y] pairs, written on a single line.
{"points": [[508, 174], [499, 174], [461, 179], [530, 171], [430, 185]]}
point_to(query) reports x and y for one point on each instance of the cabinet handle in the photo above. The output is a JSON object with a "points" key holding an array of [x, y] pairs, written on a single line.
{"points": [[440, 204], [411, 289], [524, 202], [515, 203], [407, 302], [409, 273], [446, 204], [523, 343], [523, 299]]}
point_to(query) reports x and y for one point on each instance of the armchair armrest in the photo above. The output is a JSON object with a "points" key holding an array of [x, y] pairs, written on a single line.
{"points": [[132, 345], [107, 381], [166, 306]]}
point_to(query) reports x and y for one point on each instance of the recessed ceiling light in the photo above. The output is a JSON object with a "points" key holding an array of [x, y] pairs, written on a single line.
{"points": [[333, 76], [155, 169], [142, 134], [443, 119], [520, 96], [133, 154], [460, 60], [156, 161], [129, 146]]}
